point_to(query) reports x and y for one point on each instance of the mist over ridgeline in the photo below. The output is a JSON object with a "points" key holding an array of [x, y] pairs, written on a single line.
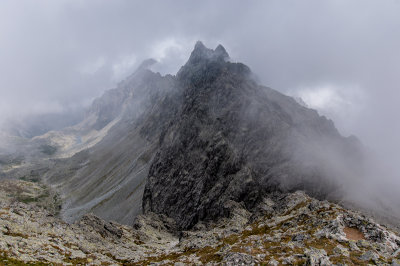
{"points": [[206, 136], [272, 141], [205, 166]]}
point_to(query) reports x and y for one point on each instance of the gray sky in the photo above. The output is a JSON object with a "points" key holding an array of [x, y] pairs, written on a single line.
{"points": [[341, 57]]}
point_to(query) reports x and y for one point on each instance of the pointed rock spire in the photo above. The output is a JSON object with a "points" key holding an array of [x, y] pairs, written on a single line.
{"points": [[199, 46], [201, 53], [221, 52], [201, 59]]}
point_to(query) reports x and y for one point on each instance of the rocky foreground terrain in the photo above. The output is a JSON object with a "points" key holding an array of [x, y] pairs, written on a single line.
{"points": [[292, 229]]}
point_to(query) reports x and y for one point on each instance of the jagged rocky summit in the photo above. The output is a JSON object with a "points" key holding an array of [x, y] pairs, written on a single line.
{"points": [[231, 139]]}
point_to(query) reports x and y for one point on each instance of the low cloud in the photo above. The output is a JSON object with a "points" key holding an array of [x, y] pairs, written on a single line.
{"points": [[91, 68], [344, 104], [171, 53], [124, 66]]}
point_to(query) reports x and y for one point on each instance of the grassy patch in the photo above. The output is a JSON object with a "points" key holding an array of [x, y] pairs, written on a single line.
{"points": [[297, 207], [123, 262], [76, 261], [300, 262], [230, 240], [27, 200], [30, 199], [6, 260], [322, 243], [33, 179], [256, 230], [205, 255]]}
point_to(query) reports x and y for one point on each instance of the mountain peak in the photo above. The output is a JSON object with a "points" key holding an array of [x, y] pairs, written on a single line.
{"points": [[220, 51], [146, 64], [199, 46], [201, 50], [201, 61], [201, 53]]}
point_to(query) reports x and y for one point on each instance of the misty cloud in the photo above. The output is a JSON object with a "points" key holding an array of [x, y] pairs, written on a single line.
{"points": [[343, 103], [340, 56]]}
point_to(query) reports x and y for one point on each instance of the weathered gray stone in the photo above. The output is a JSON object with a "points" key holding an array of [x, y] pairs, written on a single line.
{"points": [[317, 257], [273, 262], [300, 237], [77, 254], [363, 243], [353, 246], [395, 262], [233, 258], [339, 249], [369, 255]]}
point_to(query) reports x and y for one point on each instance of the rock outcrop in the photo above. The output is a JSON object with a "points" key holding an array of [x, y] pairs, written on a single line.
{"points": [[291, 229]]}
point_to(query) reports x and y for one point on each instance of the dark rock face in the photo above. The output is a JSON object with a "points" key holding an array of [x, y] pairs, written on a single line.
{"points": [[232, 139]]}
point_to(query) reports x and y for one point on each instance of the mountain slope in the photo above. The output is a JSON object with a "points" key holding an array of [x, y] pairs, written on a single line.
{"points": [[108, 178], [233, 139]]}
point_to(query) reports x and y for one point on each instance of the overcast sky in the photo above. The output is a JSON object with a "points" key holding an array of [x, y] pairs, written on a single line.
{"points": [[341, 57]]}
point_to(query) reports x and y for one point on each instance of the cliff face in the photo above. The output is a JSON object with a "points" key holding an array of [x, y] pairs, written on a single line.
{"points": [[232, 139]]}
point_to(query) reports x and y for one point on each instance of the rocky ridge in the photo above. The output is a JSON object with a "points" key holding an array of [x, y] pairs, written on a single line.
{"points": [[231, 139], [291, 229]]}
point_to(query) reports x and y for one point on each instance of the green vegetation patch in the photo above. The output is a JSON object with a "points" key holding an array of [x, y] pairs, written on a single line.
{"points": [[6, 260]]}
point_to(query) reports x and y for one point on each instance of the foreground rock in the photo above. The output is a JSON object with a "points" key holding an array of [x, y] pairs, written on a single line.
{"points": [[30, 233], [286, 229]]}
